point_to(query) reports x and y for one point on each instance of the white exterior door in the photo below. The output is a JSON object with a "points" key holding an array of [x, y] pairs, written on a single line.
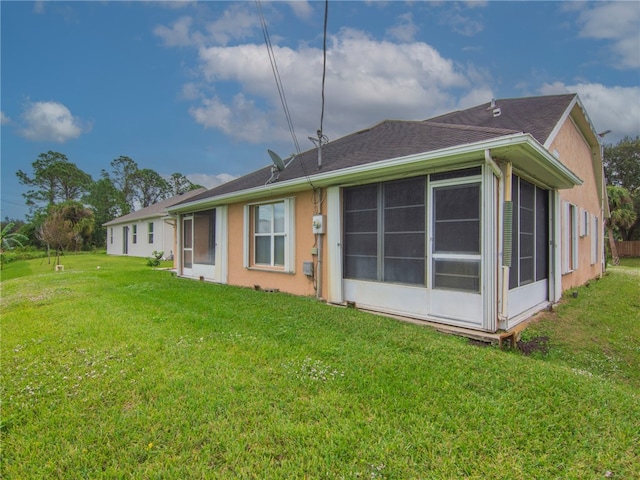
{"points": [[187, 246], [455, 258]]}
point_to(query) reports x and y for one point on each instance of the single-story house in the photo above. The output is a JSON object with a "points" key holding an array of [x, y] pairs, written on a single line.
{"points": [[477, 218], [140, 233]]}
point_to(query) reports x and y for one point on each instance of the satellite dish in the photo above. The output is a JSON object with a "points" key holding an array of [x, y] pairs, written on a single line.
{"points": [[277, 161]]}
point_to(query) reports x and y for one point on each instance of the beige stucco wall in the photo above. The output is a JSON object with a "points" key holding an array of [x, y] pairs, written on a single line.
{"points": [[577, 155], [296, 283]]}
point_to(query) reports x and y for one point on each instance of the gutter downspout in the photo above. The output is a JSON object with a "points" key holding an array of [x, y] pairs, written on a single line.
{"points": [[492, 164], [502, 292], [319, 268], [319, 239]]}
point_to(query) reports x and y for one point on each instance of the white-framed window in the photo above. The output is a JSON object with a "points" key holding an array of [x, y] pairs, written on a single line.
{"points": [[269, 237], [150, 232], [584, 223], [135, 233], [569, 237], [595, 235], [111, 235]]}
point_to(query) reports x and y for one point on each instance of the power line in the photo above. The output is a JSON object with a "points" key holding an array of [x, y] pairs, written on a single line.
{"points": [[276, 74], [324, 61]]}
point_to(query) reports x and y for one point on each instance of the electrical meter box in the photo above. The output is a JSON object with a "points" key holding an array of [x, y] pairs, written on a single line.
{"points": [[318, 224], [307, 268]]}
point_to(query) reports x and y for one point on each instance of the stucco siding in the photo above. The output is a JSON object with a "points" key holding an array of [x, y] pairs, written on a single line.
{"points": [[163, 238], [574, 152], [294, 282]]}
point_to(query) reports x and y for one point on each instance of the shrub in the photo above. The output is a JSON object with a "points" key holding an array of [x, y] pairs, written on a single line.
{"points": [[154, 261]]}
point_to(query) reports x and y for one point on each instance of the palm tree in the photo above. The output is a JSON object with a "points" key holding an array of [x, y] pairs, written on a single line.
{"points": [[8, 240], [623, 216]]}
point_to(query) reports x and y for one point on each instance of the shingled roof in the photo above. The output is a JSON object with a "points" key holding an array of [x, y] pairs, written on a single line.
{"points": [[535, 115], [389, 139], [157, 209]]}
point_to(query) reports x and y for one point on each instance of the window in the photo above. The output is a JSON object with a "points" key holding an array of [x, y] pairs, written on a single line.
{"points": [[135, 234], [384, 231], [584, 223], [111, 235], [271, 235], [204, 241], [530, 239], [569, 237], [150, 232]]}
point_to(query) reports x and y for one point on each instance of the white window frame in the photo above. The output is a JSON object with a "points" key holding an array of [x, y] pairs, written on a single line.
{"points": [[584, 223], [150, 232], [595, 235], [289, 237], [111, 235], [134, 233], [570, 237]]}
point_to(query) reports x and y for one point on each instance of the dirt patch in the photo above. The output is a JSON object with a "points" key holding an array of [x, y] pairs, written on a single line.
{"points": [[536, 344]]}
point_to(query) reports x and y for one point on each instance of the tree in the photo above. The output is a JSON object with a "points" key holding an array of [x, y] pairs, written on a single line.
{"points": [[82, 222], [56, 233], [622, 169], [622, 163], [55, 179], [105, 201], [68, 226], [150, 187], [9, 240], [623, 215], [123, 175], [180, 184]]}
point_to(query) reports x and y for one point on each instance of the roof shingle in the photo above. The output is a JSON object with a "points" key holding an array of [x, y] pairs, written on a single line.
{"points": [[390, 139]]}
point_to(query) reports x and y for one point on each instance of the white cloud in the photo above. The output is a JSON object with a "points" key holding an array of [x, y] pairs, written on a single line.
{"points": [[241, 119], [209, 181], [51, 121], [367, 80], [301, 9], [178, 35], [404, 30], [618, 22], [235, 23], [4, 120], [190, 91], [462, 24], [610, 108], [38, 7]]}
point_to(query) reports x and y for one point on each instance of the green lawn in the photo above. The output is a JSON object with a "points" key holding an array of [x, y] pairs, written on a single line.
{"points": [[129, 372]]}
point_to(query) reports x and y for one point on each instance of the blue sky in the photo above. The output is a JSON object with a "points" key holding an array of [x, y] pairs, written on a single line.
{"points": [[187, 86]]}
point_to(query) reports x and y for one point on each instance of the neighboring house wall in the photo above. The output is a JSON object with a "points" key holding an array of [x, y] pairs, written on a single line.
{"points": [[140, 240], [575, 153], [114, 240]]}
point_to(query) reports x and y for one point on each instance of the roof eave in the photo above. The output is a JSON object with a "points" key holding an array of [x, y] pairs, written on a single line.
{"points": [[518, 144]]}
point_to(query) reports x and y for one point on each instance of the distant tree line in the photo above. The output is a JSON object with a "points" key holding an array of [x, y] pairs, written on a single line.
{"points": [[67, 208], [622, 171]]}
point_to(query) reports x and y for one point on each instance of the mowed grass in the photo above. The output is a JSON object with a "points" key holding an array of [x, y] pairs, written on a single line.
{"points": [[598, 330], [130, 372]]}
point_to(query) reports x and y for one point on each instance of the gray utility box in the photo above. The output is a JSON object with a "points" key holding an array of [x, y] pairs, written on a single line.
{"points": [[307, 268]]}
